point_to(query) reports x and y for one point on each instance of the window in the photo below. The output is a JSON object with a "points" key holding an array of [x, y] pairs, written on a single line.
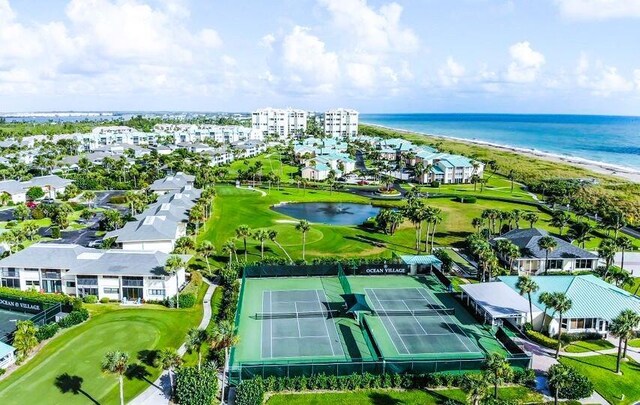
{"points": [[577, 323], [33, 283], [70, 284], [157, 292], [11, 282], [111, 290], [589, 323], [113, 277], [554, 264], [583, 263], [156, 278]]}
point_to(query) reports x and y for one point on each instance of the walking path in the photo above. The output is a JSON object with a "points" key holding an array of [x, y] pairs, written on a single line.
{"points": [[263, 194], [159, 392]]}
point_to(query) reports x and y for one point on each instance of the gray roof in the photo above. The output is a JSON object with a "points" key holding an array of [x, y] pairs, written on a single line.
{"points": [[170, 211], [50, 180], [152, 228], [45, 255], [179, 199], [527, 241], [498, 299], [11, 187], [172, 182]]}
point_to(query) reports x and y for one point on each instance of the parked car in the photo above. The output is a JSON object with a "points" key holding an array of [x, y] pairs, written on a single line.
{"points": [[95, 243], [48, 200]]}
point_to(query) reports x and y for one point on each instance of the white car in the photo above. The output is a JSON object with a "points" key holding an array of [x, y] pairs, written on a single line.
{"points": [[95, 243]]}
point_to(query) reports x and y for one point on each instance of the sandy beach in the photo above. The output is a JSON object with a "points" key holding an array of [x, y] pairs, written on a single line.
{"points": [[624, 173]]}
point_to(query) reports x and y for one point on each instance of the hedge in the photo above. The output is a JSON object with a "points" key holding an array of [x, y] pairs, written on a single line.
{"points": [[466, 199], [542, 339], [74, 318], [195, 387], [47, 331], [251, 392], [90, 299], [187, 300], [42, 298], [579, 386]]}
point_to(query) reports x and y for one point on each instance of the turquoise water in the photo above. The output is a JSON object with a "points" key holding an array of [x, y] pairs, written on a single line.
{"points": [[609, 139]]}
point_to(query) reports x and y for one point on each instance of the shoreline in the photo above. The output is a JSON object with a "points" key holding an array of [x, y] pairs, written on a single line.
{"points": [[622, 172]]}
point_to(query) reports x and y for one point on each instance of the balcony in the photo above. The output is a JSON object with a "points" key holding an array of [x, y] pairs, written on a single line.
{"points": [[49, 275], [10, 273], [132, 283], [87, 281]]}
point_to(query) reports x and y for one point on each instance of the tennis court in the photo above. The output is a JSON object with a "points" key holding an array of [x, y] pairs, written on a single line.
{"points": [[8, 320], [298, 323], [417, 322]]}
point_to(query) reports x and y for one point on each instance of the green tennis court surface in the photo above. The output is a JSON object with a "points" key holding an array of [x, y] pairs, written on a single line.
{"points": [[298, 323], [8, 320], [416, 324]]}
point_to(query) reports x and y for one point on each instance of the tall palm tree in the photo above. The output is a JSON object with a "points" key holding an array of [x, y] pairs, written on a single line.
{"points": [[243, 232], [477, 223], [498, 371], [224, 336], [196, 217], [273, 235], [304, 227], [548, 244], [169, 359], [196, 337], [435, 217], [545, 298], [206, 249], [230, 247], [531, 218], [607, 251], [116, 363], [624, 244], [559, 376], [560, 219], [509, 250], [526, 285], [261, 235], [475, 385], [580, 232], [560, 304], [633, 319], [172, 266]]}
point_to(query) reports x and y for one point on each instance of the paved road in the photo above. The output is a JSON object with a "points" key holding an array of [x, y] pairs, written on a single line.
{"points": [[159, 392]]}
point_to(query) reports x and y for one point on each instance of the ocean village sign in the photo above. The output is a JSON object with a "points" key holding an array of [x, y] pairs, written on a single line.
{"points": [[383, 269], [20, 305]]}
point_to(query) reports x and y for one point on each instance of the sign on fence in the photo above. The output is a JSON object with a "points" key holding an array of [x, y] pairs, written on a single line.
{"points": [[21, 305]]}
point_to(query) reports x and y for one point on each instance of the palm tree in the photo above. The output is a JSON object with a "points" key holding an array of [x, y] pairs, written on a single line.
{"points": [[622, 326], [545, 298], [261, 235], [560, 304], [548, 244], [509, 250], [168, 359], [434, 219], [475, 385], [273, 235], [560, 219], [197, 216], [224, 336], [195, 339], [559, 377], [24, 338], [531, 218], [116, 363], [304, 227], [497, 370], [633, 319], [607, 251], [526, 285], [88, 197], [580, 232], [516, 215], [477, 223], [624, 244], [243, 232], [172, 266], [206, 250], [230, 247]]}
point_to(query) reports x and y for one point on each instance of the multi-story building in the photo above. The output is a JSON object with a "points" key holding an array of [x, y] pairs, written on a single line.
{"points": [[282, 123], [341, 122], [76, 270], [203, 133]]}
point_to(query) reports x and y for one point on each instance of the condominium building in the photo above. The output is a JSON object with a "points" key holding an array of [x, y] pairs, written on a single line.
{"points": [[341, 122], [283, 123]]}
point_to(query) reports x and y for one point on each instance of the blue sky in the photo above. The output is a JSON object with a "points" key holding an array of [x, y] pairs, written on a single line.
{"points": [[529, 56]]}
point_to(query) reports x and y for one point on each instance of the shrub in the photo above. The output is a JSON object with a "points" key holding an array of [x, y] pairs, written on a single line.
{"points": [[74, 318], [104, 300], [187, 300], [40, 297], [580, 386], [435, 184], [526, 377], [90, 299], [544, 340], [118, 199], [47, 331], [55, 232], [466, 200], [195, 387], [250, 392]]}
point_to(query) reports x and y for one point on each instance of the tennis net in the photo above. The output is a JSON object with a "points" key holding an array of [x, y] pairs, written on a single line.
{"points": [[286, 315], [417, 312]]}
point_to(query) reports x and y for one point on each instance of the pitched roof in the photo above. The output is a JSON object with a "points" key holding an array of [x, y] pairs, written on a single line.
{"points": [[50, 180], [49, 255], [153, 228], [11, 187], [527, 240], [591, 297], [172, 182], [497, 298]]}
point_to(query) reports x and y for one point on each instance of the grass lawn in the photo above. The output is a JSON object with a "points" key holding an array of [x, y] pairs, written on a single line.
{"points": [[633, 287], [73, 358], [634, 342], [270, 163], [583, 346], [396, 397], [600, 370], [234, 207]]}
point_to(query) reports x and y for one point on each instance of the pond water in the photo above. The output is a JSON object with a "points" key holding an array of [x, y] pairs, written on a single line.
{"points": [[329, 213]]}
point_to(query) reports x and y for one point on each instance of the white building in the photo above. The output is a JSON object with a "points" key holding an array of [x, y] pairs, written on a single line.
{"points": [[341, 122], [283, 123], [80, 271]]}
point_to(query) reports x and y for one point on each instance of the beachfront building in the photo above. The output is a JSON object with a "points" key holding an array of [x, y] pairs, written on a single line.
{"points": [[184, 133], [448, 169], [79, 271], [279, 122], [533, 260], [341, 122]]}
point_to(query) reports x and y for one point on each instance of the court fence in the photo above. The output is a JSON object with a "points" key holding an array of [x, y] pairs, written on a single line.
{"points": [[392, 266], [296, 368]]}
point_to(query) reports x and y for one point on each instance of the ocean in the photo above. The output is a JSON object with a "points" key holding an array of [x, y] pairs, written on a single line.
{"points": [[613, 140]]}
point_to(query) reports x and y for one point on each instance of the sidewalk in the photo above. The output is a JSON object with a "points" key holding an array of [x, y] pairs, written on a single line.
{"points": [[158, 393]]}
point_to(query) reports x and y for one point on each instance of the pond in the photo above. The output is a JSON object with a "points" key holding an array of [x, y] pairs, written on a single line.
{"points": [[329, 213]]}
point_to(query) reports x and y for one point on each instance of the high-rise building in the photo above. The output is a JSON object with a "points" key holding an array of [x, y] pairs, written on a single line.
{"points": [[341, 122], [283, 123]]}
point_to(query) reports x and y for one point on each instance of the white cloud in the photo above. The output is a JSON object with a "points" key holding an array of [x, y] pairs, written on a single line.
{"points": [[525, 63], [267, 41], [451, 73], [599, 9], [370, 30], [603, 80]]}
